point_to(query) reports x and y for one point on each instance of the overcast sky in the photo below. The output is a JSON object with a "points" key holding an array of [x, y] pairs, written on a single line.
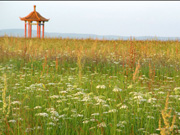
{"points": [[131, 18]]}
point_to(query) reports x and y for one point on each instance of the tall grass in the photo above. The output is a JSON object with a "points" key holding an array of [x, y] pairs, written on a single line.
{"points": [[70, 86]]}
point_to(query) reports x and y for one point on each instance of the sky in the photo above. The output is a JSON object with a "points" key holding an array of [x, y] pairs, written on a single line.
{"points": [[120, 18]]}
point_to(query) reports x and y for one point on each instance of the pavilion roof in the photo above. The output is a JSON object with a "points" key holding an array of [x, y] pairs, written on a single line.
{"points": [[34, 16]]}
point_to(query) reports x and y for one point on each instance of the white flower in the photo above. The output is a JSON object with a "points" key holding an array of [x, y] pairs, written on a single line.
{"points": [[38, 127], [151, 100], [42, 114], [63, 92], [113, 110], [78, 93], [80, 115], [150, 117], [54, 113], [116, 89], [138, 97], [99, 100], [92, 128], [50, 109], [123, 107], [54, 96], [16, 102], [12, 121], [161, 92], [116, 62], [95, 114], [61, 116], [177, 88], [54, 118], [86, 98], [101, 87], [37, 107], [86, 121], [51, 123], [102, 124]]}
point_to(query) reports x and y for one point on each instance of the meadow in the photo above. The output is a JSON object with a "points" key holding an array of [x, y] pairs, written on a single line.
{"points": [[89, 87]]}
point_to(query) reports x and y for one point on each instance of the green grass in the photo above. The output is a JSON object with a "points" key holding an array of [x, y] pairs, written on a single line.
{"points": [[91, 90]]}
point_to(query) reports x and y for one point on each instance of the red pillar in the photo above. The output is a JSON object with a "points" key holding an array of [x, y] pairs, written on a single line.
{"points": [[43, 31], [39, 30], [28, 29], [25, 30]]}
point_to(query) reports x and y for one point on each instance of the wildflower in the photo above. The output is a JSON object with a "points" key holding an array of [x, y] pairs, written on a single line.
{"points": [[59, 101], [85, 122], [130, 86], [80, 115], [54, 118], [92, 128], [99, 100], [63, 92], [161, 92], [54, 113], [20, 119], [50, 109], [37, 107], [17, 84], [78, 93], [118, 130], [16, 108], [123, 107], [61, 116], [150, 117], [116, 89], [102, 124], [86, 98], [28, 129], [113, 110], [54, 96], [38, 127], [92, 120], [100, 87], [51, 123], [151, 100], [177, 89], [74, 110], [95, 114], [138, 97], [12, 121], [16, 102], [4, 94], [116, 62], [42, 114]]}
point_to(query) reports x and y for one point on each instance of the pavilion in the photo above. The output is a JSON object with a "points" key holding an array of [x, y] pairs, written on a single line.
{"points": [[34, 16]]}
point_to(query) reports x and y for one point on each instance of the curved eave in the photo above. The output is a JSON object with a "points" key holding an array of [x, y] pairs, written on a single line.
{"points": [[24, 19]]}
